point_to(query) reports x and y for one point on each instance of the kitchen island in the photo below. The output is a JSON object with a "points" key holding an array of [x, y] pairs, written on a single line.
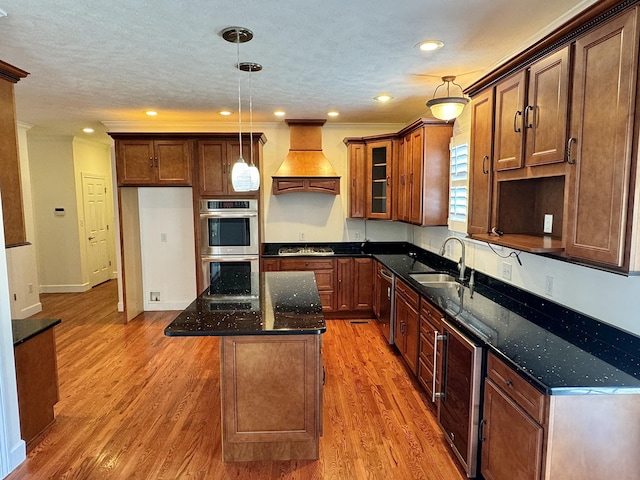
{"points": [[271, 372]]}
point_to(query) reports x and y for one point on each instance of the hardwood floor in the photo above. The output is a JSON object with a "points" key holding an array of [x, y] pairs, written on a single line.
{"points": [[135, 404]]}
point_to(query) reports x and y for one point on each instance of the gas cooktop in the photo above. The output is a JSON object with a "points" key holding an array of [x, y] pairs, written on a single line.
{"points": [[305, 251]]}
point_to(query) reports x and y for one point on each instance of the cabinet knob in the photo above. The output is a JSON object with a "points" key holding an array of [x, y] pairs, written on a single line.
{"points": [[150, 162]]}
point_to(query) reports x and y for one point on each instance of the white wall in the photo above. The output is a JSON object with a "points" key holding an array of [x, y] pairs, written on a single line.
{"points": [[12, 447], [167, 267], [57, 242], [21, 261], [57, 164]]}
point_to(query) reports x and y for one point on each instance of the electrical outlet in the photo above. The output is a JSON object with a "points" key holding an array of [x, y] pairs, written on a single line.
{"points": [[548, 286], [357, 236], [163, 237], [548, 223], [154, 296], [30, 287], [506, 271], [301, 236]]}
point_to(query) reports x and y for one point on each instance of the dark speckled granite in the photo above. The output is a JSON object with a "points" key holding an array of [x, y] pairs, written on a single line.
{"points": [[551, 355], [276, 303], [23, 330]]}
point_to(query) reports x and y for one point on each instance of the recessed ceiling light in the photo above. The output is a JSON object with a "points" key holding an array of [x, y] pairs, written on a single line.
{"points": [[279, 113], [333, 113], [88, 130], [430, 45], [224, 113], [151, 113], [384, 97]]}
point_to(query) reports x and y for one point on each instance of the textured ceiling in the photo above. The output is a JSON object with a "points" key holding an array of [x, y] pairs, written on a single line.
{"points": [[92, 61]]}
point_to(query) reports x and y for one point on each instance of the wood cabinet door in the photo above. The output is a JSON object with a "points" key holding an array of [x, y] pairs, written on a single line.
{"points": [[414, 176], [173, 162], [135, 162], [363, 280], [481, 170], [400, 168], [509, 112], [213, 167], [357, 184], [379, 179], [344, 266], [12, 211], [545, 116], [603, 107], [512, 441]]}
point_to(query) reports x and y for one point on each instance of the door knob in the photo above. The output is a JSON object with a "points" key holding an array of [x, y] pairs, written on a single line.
{"points": [[91, 238]]}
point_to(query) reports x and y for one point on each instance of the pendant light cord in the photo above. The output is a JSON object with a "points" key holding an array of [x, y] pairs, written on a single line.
{"points": [[239, 98], [251, 114]]}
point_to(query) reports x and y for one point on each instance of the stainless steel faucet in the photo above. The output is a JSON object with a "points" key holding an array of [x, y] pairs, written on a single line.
{"points": [[461, 263]]}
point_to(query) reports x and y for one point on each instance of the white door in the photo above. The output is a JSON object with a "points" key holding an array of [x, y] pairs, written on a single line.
{"points": [[96, 227]]}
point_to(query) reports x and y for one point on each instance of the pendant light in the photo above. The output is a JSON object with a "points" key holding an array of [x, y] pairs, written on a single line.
{"points": [[240, 175], [447, 108], [253, 169]]}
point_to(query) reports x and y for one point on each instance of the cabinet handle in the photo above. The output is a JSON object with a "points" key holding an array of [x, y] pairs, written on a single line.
{"points": [[527, 109], [484, 162], [571, 141], [481, 429], [156, 159], [150, 162], [436, 339], [388, 180], [508, 382], [516, 129], [402, 179], [411, 178]]}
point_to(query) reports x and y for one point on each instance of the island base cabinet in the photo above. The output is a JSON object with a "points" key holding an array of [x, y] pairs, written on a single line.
{"points": [[271, 397]]}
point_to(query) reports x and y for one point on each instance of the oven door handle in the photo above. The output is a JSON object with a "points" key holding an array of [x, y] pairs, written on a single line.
{"points": [[228, 215], [230, 258]]}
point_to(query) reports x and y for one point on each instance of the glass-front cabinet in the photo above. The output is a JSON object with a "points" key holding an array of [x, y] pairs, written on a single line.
{"points": [[378, 197]]}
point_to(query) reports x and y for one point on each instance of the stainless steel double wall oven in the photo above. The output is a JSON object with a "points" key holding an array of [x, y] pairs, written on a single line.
{"points": [[228, 238]]}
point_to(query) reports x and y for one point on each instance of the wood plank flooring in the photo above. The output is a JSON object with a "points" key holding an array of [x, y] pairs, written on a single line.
{"points": [[135, 404]]}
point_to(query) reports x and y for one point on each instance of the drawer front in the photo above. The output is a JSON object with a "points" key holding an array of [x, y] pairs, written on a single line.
{"points": [[408, 293], [425, 376], [431, 315], [529, 398], [426, 347], [306, 264], [326, 298]]}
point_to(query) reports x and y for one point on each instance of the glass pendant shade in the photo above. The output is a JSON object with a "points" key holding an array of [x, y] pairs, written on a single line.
{"points": [[254, 174], [241, 176], [447, 108]]}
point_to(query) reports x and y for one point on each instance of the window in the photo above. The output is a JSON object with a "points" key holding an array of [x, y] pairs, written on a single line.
{"points": [[458, 174]]}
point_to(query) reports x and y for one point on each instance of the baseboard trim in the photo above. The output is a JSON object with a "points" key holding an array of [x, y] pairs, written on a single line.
{"points": [[65, 288]]}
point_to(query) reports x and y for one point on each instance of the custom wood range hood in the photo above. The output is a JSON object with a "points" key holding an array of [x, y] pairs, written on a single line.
{"points": [[305, 168]]}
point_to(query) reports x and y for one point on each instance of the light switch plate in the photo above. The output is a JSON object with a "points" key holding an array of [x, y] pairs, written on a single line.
{"points": [[548, 223]]}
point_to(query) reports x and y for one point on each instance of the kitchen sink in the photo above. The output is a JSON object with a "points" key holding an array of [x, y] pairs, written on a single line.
{"points": [[435, 279]]}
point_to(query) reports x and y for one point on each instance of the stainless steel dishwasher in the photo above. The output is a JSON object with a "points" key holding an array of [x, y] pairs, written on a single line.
{"points": [[387, 286], [459, 405]]}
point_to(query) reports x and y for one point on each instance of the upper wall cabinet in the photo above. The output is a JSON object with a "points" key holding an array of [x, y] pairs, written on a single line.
{"points": [[153, 161], [481, 169], [602, 126], [401, 176], [422, 178], [531, 114], [10, 186], [576, 163], [215, 160]]}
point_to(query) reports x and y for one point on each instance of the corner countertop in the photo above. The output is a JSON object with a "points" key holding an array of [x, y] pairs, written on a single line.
{"points": [[25, 329], [544, 345], [267, 303]]}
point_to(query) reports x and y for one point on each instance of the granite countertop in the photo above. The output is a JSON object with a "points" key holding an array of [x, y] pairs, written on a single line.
{"points": [[25, 329], [266, 303], [556, 357]]}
